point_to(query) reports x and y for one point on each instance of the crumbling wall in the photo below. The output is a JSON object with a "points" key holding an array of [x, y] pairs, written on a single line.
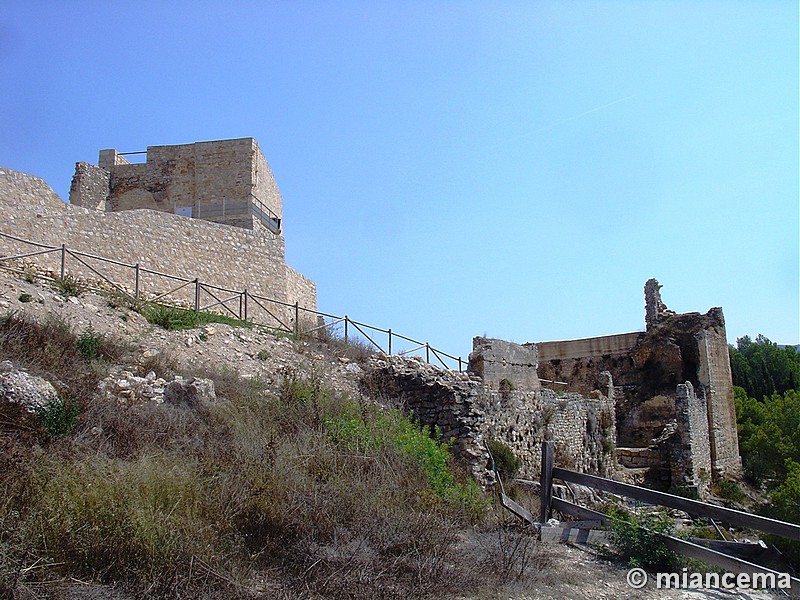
{"points": [[714, 374], [89, 187], [498, 362], [691, 450], [467, 410], [647, 368]]}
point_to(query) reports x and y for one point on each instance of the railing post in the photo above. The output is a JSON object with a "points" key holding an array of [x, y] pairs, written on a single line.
{"points": [[546, 481], [240, 307], [63, 260], [245, 306], [296, 318], [390, 342], [197, 294], [345, 329], [459, 364], [136, 282], [427, 353]]}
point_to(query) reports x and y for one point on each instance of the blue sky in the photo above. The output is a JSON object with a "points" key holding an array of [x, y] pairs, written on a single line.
{"points": [[452, 169]]}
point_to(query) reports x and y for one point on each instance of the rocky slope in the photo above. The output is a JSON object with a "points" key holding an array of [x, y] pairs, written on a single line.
{"points": [[558, 571]]}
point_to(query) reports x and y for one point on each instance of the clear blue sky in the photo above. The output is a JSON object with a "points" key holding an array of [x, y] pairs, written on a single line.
{"points": [[452, 169]]}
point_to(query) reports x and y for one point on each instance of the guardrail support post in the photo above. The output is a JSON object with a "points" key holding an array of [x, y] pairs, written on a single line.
{"points": [[296, 319], [197, 294], [345, 328], [136, 282], [245, 306], [427, 353], [63, 260], [390, 342], [546, 481]]}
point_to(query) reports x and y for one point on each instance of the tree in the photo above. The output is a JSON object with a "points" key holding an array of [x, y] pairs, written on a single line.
{"points": [[761, 367]]}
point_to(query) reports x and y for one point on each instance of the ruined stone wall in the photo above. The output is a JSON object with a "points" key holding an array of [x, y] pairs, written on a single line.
{"points": [[647, 369], [714, 375], [691, 449], [468, 412], [228, 257], [89, 187], [496, 361]]}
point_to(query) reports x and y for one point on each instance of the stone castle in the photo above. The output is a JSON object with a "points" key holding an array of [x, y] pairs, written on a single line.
{"points": [[210, 210], [653, 406]]}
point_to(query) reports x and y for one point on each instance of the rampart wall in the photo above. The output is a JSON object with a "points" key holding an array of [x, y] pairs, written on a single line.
{"points": [[217, 254]]}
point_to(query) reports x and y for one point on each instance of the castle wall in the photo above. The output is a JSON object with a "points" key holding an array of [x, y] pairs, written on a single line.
{"points": [[504, 364], [715, 376], [89, 188], [583, 348], [224, 256], [691, 452], [468, 411], [22, 189], [219, 181]]}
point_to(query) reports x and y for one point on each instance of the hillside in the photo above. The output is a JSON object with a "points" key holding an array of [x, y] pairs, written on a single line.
{"points": [[289, 480]]}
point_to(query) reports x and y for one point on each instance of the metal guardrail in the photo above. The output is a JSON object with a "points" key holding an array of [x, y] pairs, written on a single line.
{"points": [[239, 304]]}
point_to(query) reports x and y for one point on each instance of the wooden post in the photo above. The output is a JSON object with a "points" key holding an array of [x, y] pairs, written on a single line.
{"points": [[63, 260], [136, 284], [546, 481]]}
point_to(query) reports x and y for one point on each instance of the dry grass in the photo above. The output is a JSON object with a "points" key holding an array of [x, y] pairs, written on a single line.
{"points": [[322, 496]]}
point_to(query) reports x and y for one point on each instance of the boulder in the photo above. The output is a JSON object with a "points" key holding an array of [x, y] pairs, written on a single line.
{"points": [[191, 393], [29, 391]]}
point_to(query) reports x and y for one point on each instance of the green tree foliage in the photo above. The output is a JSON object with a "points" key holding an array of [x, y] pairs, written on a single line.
{"points": [[761, 368], [769, 434]]}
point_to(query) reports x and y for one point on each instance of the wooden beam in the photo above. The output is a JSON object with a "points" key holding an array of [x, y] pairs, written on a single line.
{"points": [[683, 547], [729, 515]]}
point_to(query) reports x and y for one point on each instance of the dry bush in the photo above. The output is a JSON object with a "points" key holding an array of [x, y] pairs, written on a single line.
{"points": [[171, 502]]}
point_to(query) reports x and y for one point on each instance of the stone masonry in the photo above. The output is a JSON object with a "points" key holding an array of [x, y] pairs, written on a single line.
{"points": [[224, 181], [234, 257], [469, 408], [673, 391]]}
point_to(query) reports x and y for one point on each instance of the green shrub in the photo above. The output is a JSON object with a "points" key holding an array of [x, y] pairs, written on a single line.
{"points": [[58, 417], [69, 286], [89, 343], [505, 461], [637, 538], [25, 297], [173, 318], [729, 491]]}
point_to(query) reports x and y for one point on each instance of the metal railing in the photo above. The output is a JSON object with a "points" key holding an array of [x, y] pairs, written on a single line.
{"points": [[245, 305]]}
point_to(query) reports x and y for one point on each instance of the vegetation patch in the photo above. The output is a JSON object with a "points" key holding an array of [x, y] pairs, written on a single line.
{"points": [[173, 318]]}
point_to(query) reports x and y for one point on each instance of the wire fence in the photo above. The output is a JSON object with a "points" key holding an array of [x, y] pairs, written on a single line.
{"points": [[137, 282]]}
